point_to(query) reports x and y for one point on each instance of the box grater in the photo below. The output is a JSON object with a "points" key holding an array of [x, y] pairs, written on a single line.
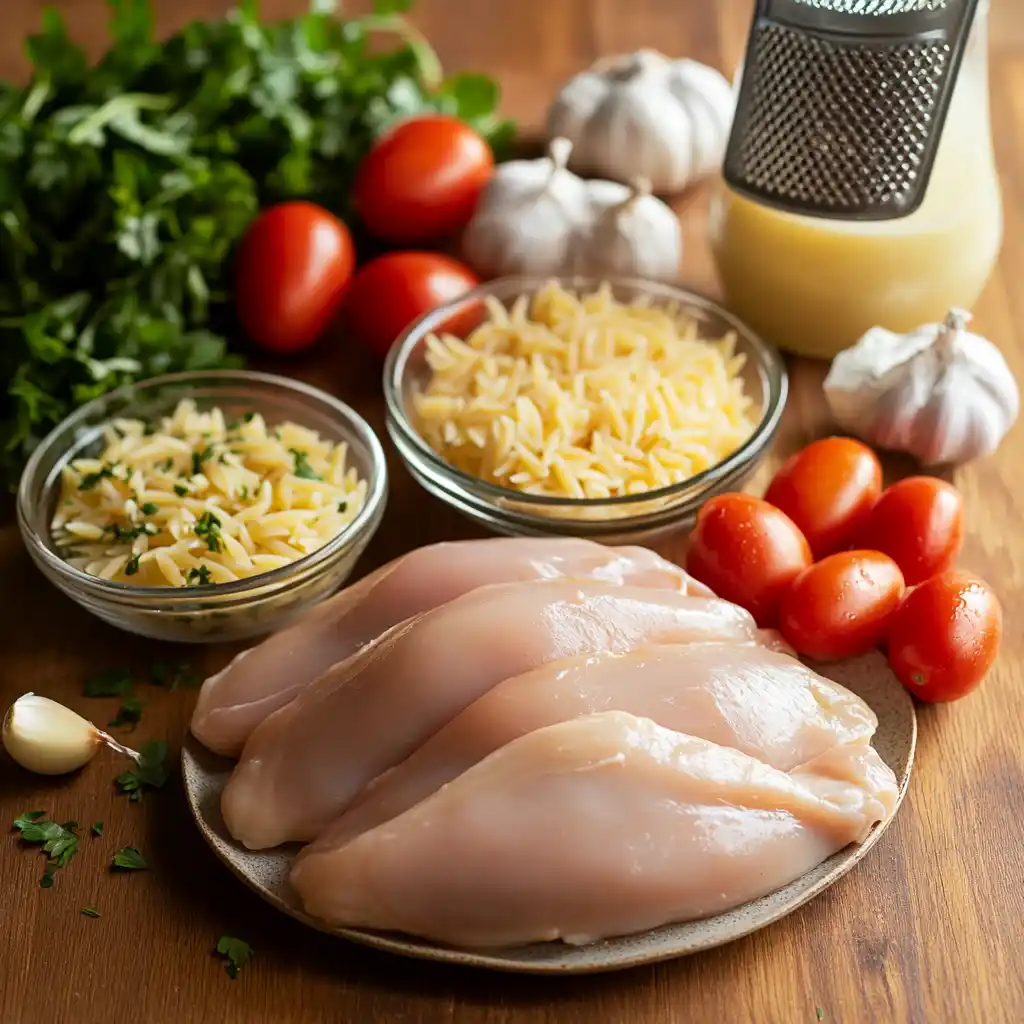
{"points": [[841, 103]]}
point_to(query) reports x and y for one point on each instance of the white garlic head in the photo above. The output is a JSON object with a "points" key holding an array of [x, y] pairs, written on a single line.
{"points": [[527, 217], [940, 393], [631, 234], [538, 219], [643, 115]]}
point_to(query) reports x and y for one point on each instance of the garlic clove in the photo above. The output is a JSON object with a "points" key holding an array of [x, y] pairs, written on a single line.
{"points": [[49, 739]]}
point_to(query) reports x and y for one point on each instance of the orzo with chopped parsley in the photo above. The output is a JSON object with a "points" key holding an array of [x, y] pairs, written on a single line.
{"points": [[198, 500]]}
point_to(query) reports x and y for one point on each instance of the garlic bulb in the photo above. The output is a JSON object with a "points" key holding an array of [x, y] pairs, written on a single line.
{"points": [[49, 739], [539, 219], [939, 393], [527, 217], [644, 115], [633, 234]]}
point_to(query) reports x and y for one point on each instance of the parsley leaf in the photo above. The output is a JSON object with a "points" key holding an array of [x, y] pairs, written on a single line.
{"points": [[302, 468], [129, 713], [199, 577], [58, 842], [181, 490], [149, 509], [89, 912], [90, 480], [149, 773], [112, 682], [128, 859], [235, 952], [198, 458], [342, 507], [97, 828], [208, 527], [131, 567], [173, 674]]}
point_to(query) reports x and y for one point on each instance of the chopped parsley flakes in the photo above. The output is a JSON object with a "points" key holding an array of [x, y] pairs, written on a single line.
{"points": [[149, 773], [235, 952], [208, 527], [90, 480], [128, 858], [58, 842], [198, 458], [199, 577], [302, 468]]}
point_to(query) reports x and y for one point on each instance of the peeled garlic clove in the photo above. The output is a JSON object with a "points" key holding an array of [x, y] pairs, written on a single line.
{"points": [[47, 738]]}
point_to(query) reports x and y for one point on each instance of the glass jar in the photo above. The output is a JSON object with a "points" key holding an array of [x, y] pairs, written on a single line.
{"points": [[814, 286]]}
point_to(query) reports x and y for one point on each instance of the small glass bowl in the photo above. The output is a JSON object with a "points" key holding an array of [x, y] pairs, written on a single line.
{"points": [[227, 611], [610, 520]]}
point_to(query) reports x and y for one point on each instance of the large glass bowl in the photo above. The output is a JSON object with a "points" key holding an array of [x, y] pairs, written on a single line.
{"points": [[610, 520], [229, 611]]}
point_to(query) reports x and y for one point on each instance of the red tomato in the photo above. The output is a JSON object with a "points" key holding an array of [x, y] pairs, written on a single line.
{"points": [[747, 552], [841, 606], [392, 291], [292, 268], [944, 636], [919, 523], [421, 181], [828, 489]]}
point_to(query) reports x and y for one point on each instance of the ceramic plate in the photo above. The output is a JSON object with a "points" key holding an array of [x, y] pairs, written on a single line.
{"points": [[267, 872]]}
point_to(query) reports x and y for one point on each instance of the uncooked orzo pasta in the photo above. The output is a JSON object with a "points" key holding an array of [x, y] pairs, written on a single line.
{"points": [[200, 501], [583, 396]]}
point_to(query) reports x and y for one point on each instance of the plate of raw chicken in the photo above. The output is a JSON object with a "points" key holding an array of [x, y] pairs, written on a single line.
{"points": [[542, 755]]}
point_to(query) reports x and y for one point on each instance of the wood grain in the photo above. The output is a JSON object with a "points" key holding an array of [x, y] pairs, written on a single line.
{"points": [[927, 931]]}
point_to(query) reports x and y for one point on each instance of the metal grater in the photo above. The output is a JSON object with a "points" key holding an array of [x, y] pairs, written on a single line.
{"points": [[841, 103]]}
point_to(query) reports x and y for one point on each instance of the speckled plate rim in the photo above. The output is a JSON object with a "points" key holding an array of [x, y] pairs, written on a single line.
{"points": [[266, 872]]}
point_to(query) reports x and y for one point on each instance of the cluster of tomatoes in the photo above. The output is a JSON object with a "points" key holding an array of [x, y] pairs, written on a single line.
{"points": [[840, 567], [419, 185]]}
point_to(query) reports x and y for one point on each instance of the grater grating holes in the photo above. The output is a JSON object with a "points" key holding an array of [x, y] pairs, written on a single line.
{"points": [[837, 127], [875, 6]]}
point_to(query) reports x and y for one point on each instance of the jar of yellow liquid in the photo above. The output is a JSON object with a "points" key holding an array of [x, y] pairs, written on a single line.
{"points": [[813, 286]]}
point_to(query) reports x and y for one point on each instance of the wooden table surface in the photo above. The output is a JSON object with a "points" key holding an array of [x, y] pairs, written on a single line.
{"points": [[928, 929]]}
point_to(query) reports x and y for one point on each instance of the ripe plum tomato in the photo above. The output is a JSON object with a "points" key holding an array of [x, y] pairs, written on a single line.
{"points": [[841, 606], [828, 489], [919, 524], [292, 268], [422, 180], [944, 636], [392, 291], [747, 552]]}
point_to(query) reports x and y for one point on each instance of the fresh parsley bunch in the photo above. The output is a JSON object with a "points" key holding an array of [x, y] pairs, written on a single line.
{"points": [[125, 185]]}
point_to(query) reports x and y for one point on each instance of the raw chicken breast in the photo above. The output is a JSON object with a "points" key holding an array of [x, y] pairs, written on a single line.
{"points": [[306, 763], [759, 701], [605, 825], [264, 678]]}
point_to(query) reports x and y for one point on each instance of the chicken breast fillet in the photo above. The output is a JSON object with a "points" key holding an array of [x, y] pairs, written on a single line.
{"points": [[264, 678], [761, 702], [306, 763], [606, 825]]}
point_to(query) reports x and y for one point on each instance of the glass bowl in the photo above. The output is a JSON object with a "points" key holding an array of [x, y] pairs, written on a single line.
{"points": [[228, 611], [639, 517]]}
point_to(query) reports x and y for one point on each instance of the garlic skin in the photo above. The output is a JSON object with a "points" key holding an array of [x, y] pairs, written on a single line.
{"points": [[940, 393], [632, 234], [538, 219], [527, 217], [47, 738], [644, 115]]}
